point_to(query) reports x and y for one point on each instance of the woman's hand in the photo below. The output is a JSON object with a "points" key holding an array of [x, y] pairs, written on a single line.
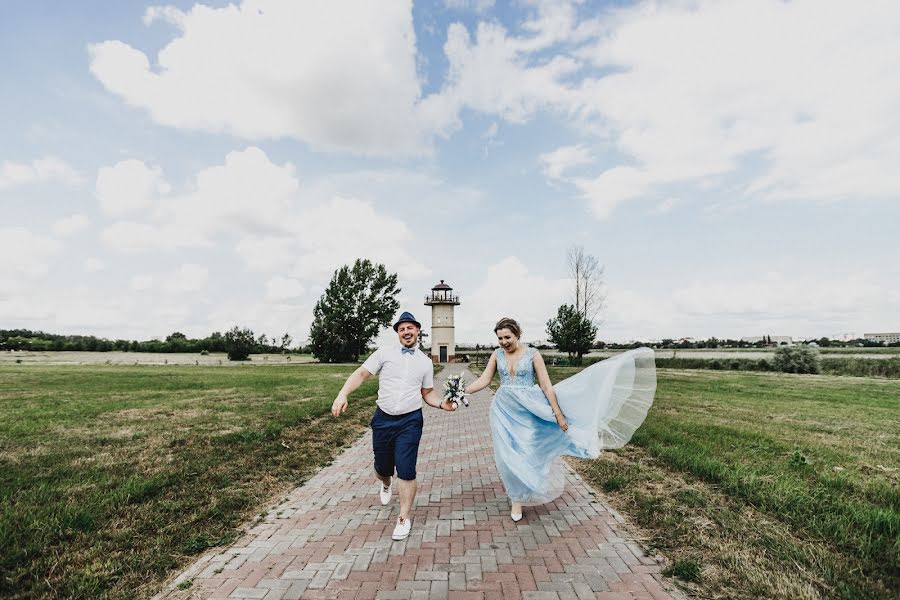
{"points": [[561, 421]]}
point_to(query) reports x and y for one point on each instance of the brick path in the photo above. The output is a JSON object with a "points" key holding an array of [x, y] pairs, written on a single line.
{"points": [[330, 538]]}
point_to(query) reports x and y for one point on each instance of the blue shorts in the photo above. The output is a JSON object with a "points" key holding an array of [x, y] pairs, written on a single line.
{"points": [[395, 441]]}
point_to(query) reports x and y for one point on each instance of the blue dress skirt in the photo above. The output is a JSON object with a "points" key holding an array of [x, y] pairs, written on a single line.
{"points": [[604, 405]]}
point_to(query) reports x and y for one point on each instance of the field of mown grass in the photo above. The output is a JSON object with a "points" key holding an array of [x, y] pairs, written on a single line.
{"points": [[113, 477], [765, 485]]}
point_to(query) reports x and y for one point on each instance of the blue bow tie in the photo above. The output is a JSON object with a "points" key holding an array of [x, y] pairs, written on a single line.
{"points": [[407, 350]]}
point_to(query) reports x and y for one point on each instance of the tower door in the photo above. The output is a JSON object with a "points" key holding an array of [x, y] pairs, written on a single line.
{"points": [[443, 351]]}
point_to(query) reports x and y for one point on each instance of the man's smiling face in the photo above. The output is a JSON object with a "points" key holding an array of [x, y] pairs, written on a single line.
{"points": [[408, 334]]}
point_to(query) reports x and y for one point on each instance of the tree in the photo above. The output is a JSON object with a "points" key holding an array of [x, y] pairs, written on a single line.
{"points": [[286, 340], [571, 331], [239, 343], [358, 303], [587, 278]]}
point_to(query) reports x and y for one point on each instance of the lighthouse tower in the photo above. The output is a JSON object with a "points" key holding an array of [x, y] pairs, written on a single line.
{"points": [[443, 341]]}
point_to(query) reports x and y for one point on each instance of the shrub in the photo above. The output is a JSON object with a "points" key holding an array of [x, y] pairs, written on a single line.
{"points": [[796, 359], [239, 343]]}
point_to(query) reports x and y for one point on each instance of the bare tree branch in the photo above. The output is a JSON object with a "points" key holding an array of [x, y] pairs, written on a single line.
{"points": [[586, 273]]}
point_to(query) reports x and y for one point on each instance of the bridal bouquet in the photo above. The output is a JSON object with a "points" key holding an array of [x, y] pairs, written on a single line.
{"points": [[453, 390]]}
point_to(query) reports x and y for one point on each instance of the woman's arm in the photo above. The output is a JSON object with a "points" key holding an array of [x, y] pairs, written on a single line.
{"points": [[540, 369], [486, 377]]}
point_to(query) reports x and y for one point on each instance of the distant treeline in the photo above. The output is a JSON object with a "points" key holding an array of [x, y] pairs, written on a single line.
{"points": [[39, 341], [714, 342]]}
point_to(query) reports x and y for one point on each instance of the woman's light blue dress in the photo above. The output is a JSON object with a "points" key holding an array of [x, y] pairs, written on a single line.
{"points": [[603, 404]]}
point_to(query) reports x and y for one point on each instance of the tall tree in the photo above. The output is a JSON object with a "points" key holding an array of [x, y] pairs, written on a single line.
{"points": [[571, 331], [586, 274], [358, 303], [286, 340]]}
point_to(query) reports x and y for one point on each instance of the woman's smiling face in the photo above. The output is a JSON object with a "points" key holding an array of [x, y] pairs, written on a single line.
{"points": [[507, 339]]}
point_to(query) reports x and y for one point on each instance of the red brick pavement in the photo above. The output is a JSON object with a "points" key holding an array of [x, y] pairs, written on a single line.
{"points": [[330, 538]]}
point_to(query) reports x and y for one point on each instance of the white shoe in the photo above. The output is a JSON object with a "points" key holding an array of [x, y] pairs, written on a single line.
{"points": [[516, 517], [401, 531], [384, 493]]}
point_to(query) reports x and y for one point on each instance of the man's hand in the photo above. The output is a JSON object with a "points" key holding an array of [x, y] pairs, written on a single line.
{"points": [[339, 406], [448, 404]]}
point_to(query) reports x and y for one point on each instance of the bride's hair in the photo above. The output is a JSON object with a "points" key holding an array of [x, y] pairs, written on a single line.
{"points": [[507, 323]]}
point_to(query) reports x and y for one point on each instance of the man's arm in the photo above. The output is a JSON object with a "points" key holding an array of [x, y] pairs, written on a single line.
{"points": [[353, 382], [432, 399]]}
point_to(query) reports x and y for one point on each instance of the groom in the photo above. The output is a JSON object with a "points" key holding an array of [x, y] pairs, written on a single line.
{"points": [[406, 378]]}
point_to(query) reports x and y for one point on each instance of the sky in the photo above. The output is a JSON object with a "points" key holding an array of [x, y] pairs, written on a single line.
{"points": [[191, 166]]}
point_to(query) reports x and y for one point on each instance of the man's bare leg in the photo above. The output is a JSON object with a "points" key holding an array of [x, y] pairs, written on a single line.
{"points": [[385, 481], [407, 495]]}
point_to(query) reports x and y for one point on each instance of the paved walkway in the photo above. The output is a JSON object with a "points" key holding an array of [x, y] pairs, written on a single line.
{"points": [[331, 537]]}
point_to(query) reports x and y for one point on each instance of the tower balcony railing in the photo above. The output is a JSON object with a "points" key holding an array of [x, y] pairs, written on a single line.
{"points": [[441, 299]]}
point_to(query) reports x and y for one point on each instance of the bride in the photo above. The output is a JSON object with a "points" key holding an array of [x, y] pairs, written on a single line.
{"points": [[532, 426]]}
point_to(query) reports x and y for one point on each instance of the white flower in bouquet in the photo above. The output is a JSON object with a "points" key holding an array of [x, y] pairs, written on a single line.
{"points": [[453, 390]]}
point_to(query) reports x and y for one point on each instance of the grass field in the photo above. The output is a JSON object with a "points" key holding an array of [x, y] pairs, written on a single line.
{"points": [[112, 477], [764, 485]]}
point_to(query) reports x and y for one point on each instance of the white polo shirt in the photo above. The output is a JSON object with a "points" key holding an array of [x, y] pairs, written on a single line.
{"points": [[401, 377]]}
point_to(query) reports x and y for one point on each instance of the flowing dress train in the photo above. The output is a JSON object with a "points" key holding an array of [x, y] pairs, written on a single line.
{"points": [[604, 405]]}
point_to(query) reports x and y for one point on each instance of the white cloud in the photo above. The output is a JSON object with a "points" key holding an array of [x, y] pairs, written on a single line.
{"points": [[338, 75], [188, 278], [775, 303], [25, 254], [133, 237], [39, 170], [283, 288], [694, 95], [341, 230], [267, 253], [494, 74], [557, 162], [129, 186], [665, 206], [272, 318], [479, 6], [140, 283], [509, 289], [69, 225], [246, 194], [490, 137], [94, 265], [612, 187]]}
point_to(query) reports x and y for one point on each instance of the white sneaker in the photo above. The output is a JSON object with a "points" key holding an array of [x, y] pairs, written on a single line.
{"points": [[516, 517], [384, 493], [401, 531]]}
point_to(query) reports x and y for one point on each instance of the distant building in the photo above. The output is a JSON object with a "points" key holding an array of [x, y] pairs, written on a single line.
{"points": [[887, 338], [778, 340]]}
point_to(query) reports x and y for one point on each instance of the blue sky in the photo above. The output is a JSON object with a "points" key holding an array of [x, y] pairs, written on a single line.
{"points": [[192, 167]]}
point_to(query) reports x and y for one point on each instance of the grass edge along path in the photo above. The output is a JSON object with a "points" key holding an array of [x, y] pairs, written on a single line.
{"points": [[743, 514], [115, 478]]}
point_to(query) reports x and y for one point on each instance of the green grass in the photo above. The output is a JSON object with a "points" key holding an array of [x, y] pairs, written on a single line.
{"points": [[776, 486], [112, 477]]}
